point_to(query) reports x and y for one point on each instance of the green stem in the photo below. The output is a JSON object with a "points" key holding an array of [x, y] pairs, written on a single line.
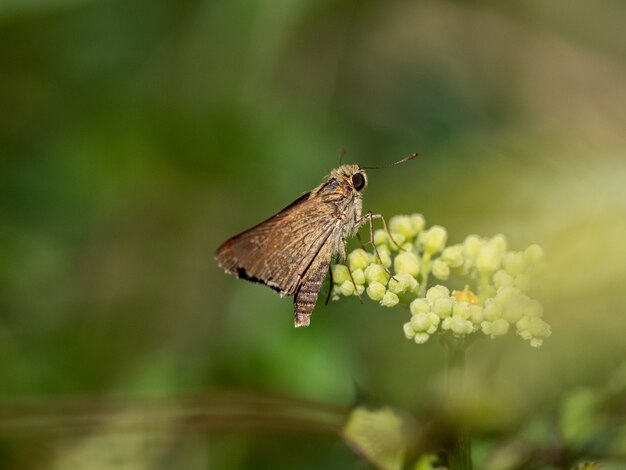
{"points": [[425, 266], [459, 450]]}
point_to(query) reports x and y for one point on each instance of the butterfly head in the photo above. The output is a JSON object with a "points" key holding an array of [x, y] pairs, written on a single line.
{"points": [[351, 175]]}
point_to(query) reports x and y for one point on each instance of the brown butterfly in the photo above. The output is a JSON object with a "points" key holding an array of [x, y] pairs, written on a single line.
{"points": [[292, 250]]}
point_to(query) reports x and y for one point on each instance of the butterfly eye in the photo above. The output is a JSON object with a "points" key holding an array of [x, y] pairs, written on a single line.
{"points": [[358, 181]]}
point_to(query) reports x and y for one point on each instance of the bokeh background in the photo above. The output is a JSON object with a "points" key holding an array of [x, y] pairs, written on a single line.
{"points": [[136, 136]]}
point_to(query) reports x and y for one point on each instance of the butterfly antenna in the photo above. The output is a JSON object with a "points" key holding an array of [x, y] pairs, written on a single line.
{"points": [[404, 160], [342, 153]]}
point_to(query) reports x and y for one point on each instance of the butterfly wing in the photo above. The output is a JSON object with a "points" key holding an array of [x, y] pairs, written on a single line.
{"points": [[279, 251]]}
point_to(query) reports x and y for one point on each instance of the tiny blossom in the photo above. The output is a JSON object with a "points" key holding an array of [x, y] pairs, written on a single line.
{"points": [[533, 254], [488, 259], [396, 240], [502, 278], [453, 256], [434, 239], [401, 283], [359, 259], [389, 300], [376, 291], [497, 281], [376, 273], [441, 270], [407, 262], [340, 273], [402, 224], [358, 276]]}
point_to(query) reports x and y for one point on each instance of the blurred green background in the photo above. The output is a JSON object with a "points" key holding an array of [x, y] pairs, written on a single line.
{"points": [[136, 136]]}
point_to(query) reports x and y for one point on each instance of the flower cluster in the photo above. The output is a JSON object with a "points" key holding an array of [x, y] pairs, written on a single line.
{"points": [[494, 299]]}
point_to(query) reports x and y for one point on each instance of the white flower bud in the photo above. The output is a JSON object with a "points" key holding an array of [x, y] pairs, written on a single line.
{"points": [[533, 254], [442, 306], [385, 255], [346, 288], [499, 241], [396, 240], [453, 255], [401, 283], [506, 294], [359, 259], [488, 259], [502, 278], [421, 338], [376, 291], [492, 311], [460, 310], [418, 222], [420, 322], [358, 276], [389, 300], [436, 292], [407, 262], [472, 244], [475, 314], [402, 224], [514, 263], [340, 274], [434, 239], [376, 273], [381, 237], [418, 306], [360, 288], [460, 326], [408, 330], [441, 270]]}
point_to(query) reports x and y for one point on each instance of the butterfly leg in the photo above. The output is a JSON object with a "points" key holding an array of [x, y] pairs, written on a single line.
{"points": [[330, 285], [369, 218], [344, 254]]}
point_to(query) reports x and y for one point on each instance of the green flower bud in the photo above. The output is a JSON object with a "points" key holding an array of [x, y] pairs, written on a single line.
{"points": [[421, 338], [522, 282], [340, 274], [513, 311], [436, 292], [385, 255], [376, 273], [396, 240], [441, 270], [402, 224], [442, 306], [434, 239], [533, 308], [458, 325], [453, 256], [533, 254], [407, 262], [376, 291], [360, 288], [418, 306], [401, 283], [420, 322], [389, 300], [359, 259], [346, 288], [475, 314], [381, 237], [499, 327], [506, 294], [418, 222], [408, 330], [472, 244], [514, 263], [358, 276], [488, 259], [460, 310], [499, 241], [501, 278], [492, 311]]}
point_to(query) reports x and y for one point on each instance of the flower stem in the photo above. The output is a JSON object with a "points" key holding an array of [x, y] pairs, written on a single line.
{"points": [[459, 449]]}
